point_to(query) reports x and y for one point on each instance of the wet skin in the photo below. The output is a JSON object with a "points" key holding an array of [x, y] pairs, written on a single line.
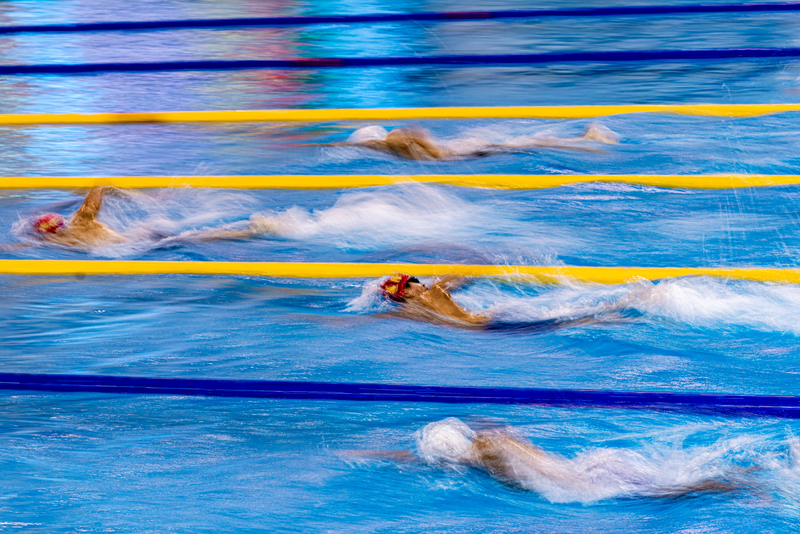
{"points": [[83, 230], [437, 299]]}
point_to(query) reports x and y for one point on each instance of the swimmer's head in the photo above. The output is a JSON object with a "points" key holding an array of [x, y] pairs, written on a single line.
{"points": [[368, 133], [414, 288], [447, 442], [396, 287], [49, 223]]}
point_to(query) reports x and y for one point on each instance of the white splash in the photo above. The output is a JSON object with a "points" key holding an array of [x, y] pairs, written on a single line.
{"points": [[702, 302], [368, 133], [370, 299], [445, 442], [710, 302], [370, 220]]}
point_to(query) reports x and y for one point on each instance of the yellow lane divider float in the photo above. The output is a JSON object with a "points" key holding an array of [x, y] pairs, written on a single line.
{"points": [[553, 274], [389, 114], [494, 181]]}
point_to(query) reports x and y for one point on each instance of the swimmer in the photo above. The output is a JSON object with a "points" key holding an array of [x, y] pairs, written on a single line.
{"points": [[518, 463], [83, 230], [421, 302], [435, 305], [417, 144]]}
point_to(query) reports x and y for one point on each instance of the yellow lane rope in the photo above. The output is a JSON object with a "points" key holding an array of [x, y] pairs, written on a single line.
{"points": [[494, 181], [329, 115], [600, 275]]}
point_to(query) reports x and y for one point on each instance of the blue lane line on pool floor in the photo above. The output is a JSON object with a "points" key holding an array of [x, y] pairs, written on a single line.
{"points": [[402, 17], [736, 405], [446, 61]]}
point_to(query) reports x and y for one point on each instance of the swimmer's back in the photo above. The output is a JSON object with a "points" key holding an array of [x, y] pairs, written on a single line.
{"points": [[440, 301], [414, 143]]}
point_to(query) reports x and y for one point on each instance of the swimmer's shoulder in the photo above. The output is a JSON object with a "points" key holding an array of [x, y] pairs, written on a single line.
{"points": [[82, 232], [436, 293], [494, 441], [440, 300]]}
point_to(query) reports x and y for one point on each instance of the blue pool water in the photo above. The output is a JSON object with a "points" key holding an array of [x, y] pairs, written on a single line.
{"points": [[90, 462]]}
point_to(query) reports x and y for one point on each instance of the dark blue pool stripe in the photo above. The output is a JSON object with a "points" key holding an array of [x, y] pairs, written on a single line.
{"points": [[402, 17], [758, 405], [451, 61]]}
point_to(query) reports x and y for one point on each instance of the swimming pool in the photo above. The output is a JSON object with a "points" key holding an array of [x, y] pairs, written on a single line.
{"points": [[136, 463]]}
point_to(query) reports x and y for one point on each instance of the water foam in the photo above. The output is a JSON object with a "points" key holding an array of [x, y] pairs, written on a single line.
{"points": [[709, 302], [700, 302], [389, 217], [445, 442]]}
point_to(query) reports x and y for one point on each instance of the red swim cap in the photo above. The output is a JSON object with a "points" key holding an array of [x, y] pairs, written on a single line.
{"points": [[395, 287], [49, 223]]}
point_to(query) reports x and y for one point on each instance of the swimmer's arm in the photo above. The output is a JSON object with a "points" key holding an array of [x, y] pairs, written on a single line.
{"points": [[92, 204], [337, 143], [221, 235], [257, 225]]}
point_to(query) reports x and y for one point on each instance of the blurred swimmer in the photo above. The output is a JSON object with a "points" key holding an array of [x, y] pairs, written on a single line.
{"points": [[435, 305], [516, 462], [429, 303], [83, 230], [417, 144]]}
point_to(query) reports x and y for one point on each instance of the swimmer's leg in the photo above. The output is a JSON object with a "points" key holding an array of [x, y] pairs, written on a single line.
{"points": [[735, 480], [260, 225], [698, 488], [91, 204], [256, 226], [592, 132]]}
